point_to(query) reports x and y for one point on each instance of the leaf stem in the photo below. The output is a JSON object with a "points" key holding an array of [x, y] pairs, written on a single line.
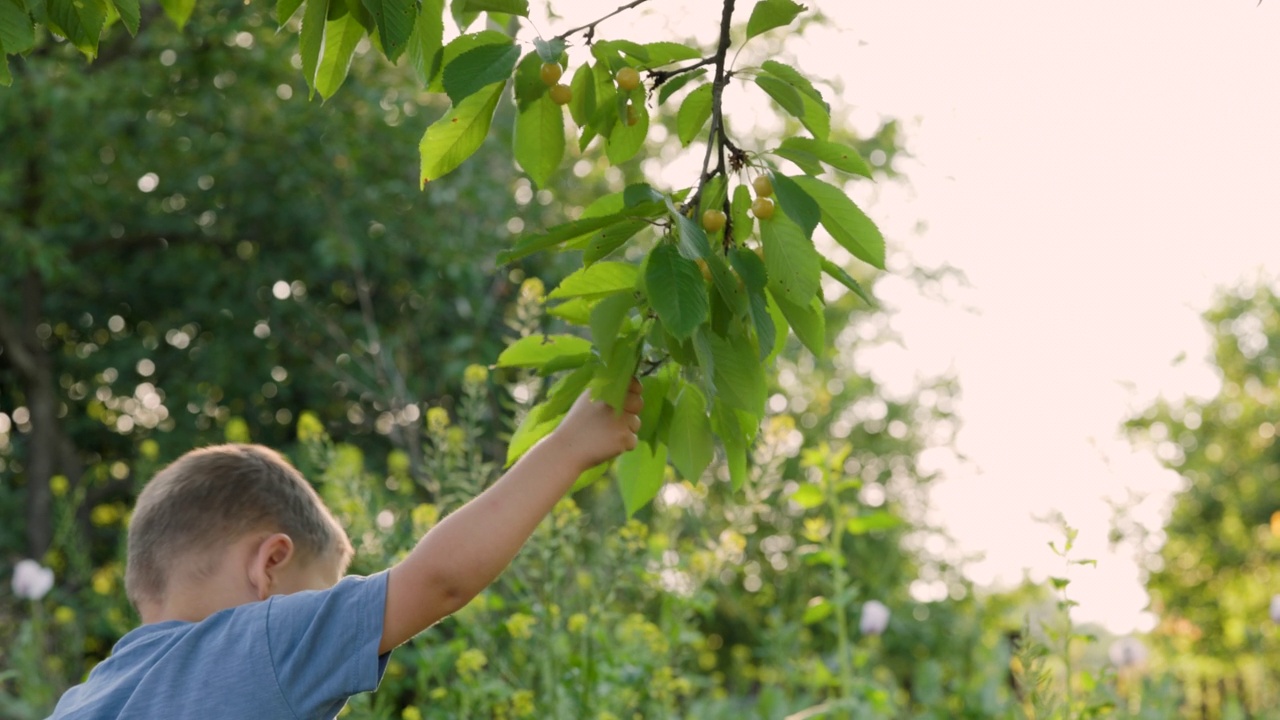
{"points": [[589, 30]]}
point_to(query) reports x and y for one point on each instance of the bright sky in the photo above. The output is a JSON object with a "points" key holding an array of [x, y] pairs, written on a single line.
{"points": [[1096, 169]]}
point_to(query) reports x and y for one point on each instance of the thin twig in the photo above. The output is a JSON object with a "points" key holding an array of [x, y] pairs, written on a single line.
{"points": [[590, 27], [660, 76]]}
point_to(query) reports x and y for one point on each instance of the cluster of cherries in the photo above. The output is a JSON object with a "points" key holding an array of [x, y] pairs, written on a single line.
{"points": [[762, 207], [628, 79]]}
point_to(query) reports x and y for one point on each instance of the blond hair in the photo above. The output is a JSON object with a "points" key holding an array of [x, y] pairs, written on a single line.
{"points": [[209, 498]]}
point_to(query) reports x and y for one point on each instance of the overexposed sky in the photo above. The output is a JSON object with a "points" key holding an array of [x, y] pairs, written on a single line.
{"points": [[1096, 170]]}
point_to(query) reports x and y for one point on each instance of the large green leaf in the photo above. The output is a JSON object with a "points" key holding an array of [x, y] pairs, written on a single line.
{"points": [[640, 475], [793, 265], [807, 152], [545, 416], [794, 77], [17, 31], [311, 38], [583, 104], [512, 7], [654, 391], [754, 278], [605, 241], [694, 113], [784, 93], [179, 11], [459, 45], [665, 53], [846, 222], [478, 68], [728, 424], [808, 321], [539, 142], [841, 275], [812, 111], [598, 280], [606, 320], [535, 351], [285, 10], [796, 203], [626, 139], [587, 224], [689, 438], [612, 382], [340, 39], [676, 291], [455, 137], [395, 21], [693, 242], [738, 373], [425, 41], [130, 14], [80, 21], [769, 14]]}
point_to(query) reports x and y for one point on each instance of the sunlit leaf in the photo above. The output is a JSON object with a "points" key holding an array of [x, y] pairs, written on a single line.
{"points": [[668, 88], [769, 14], [340, 39], [455, 137], [793, 265], [395, 20], [676, 291], [478, 68], [640, 475], [846, 222], [598, 280], [606, 320], [694, 113], [796, 203], [689, 439], [80, 21], [539, 141], [807, 153], [534, 351], [311, 38]]}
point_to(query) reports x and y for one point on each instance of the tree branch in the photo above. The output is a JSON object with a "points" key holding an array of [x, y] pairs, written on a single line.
{"points": [[590, 28], [716, 135]]}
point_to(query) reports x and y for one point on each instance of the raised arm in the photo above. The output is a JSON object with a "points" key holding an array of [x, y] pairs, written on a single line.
{"points": [[458, 558]]}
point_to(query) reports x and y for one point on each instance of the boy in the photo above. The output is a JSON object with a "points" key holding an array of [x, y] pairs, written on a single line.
{"points": [[235, 567]]}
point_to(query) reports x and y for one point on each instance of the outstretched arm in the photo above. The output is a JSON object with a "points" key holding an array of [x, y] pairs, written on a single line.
{"points": [[458, 558]]}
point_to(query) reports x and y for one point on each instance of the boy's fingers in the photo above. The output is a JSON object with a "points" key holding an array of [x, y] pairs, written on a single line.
{"points": [[633, 404], [633, 422], [631, 441], [635, 386]]}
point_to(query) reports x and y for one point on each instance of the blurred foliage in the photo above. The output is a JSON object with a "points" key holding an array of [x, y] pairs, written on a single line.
{"points": [[1213, 580]]}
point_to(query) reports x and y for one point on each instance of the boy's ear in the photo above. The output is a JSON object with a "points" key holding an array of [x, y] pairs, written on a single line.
{"points": [[273, 554]]}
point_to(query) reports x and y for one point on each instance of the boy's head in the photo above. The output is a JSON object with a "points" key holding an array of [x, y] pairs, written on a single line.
{"points": [[239, 516]]}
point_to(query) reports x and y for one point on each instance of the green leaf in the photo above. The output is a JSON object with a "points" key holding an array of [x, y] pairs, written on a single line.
{"points": [[17, 30], [847, 224], [395, 20], [693, 239], [478, 68], [539, 143], [754, 277], [807, 152], [607, 318], [847, 280], [740, 213], [545, 416], [793, 76], [654, 389], [589, 223], [460, 45], [549, 51], [583, 104], [784, 93], [455, 137], [876, 521], [669, 87], [513, 7], [665, 53], [694, 113], [535, 351], [311, 38], [641, 473], [769, 14], [808, 321], [612, 382], [816, 117], [793, 265], [780, 325], [689, 439], [598, 280], [676, 291], [576, 311], [605, 241], [796, 203], [535, 426], [80, 21], [626, 140], [131, 15], [425, 41], [340, 39], [285, 10], [179, 11], [726, 424], [738, 374]]}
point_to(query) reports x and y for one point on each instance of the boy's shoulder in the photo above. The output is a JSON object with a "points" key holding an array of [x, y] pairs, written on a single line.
{"points": [[291, 656]]}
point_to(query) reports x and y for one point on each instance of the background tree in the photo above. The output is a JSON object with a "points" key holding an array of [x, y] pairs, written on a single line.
{"points": [[1213, 580]]}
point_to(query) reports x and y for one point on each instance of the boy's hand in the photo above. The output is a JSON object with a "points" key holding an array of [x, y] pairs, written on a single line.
{"points": [[593, 433]]}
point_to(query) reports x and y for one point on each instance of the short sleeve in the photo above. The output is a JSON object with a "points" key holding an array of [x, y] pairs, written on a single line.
{"points": [[324, 644]]}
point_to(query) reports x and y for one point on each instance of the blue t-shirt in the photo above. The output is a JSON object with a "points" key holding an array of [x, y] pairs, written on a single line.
{"points": [[294, 657]]}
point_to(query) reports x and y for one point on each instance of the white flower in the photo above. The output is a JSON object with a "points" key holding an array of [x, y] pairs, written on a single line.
{"points": [[1128, 652], [1275, 608], [875, 618], [31, 580]]}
